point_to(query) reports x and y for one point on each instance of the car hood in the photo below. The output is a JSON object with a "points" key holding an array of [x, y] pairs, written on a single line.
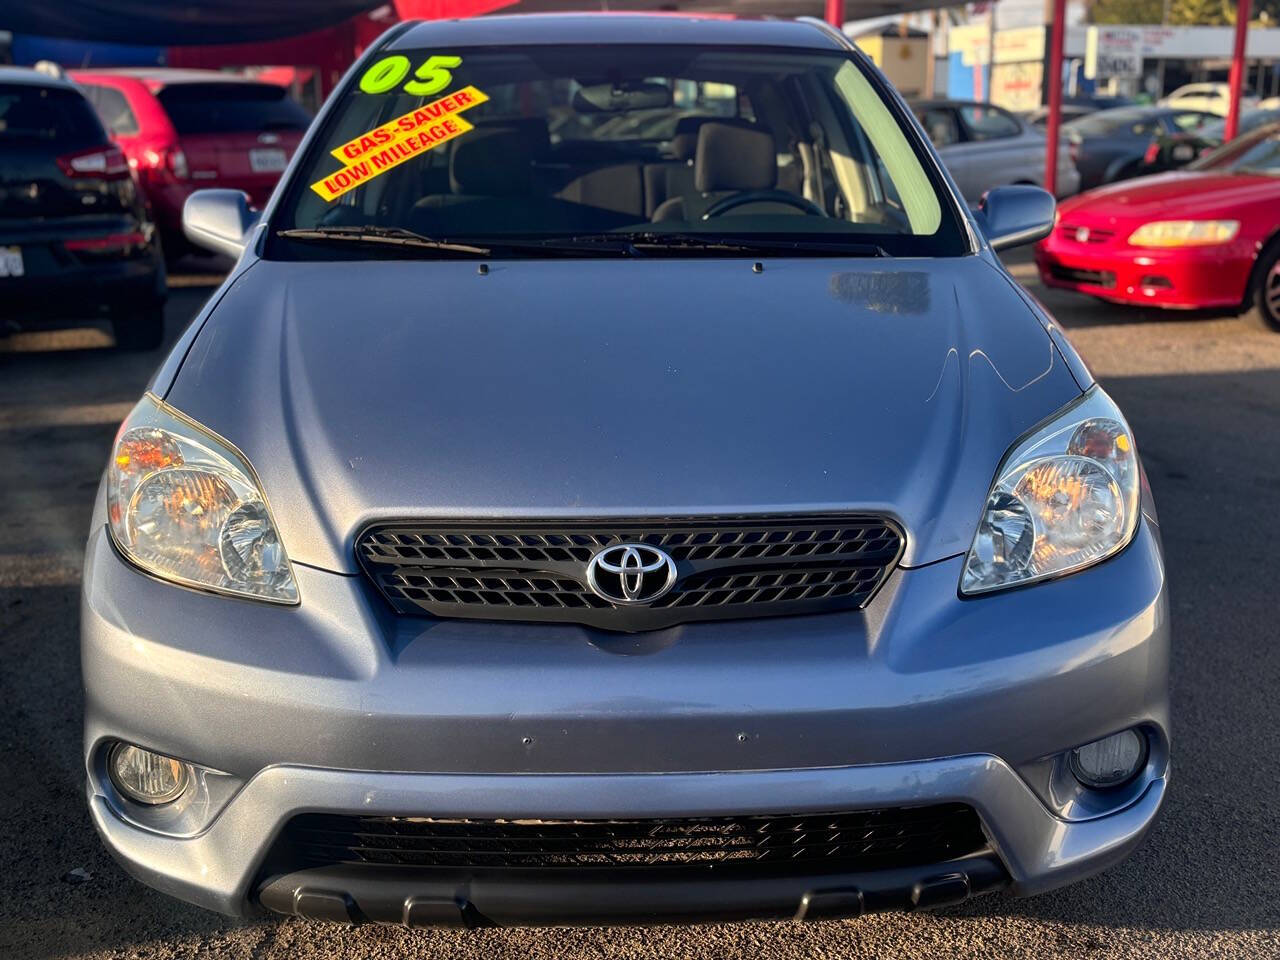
{"points": [[607, 388], [1181, 194]]}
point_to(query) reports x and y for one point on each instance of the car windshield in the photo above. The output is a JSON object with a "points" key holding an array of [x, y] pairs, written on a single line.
{"points": [[1258, 152], [669, 147]]}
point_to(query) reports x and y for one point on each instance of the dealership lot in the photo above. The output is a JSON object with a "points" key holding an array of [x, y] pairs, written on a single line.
{"points": [[1203, 396]]}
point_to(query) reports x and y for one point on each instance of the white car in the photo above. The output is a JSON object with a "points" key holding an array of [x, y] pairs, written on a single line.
{"points": [[1209, 97]]}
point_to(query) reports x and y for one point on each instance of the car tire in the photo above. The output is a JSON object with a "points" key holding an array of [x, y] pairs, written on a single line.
{"points": [[140, 328], [1265, 295]]}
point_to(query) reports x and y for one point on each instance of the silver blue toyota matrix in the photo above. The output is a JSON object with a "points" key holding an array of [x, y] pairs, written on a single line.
{"points": [[619, 483]]}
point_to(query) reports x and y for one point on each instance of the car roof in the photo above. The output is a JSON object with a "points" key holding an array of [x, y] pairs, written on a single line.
{"points": [[166, 76], [616, 28], [33, 78]]}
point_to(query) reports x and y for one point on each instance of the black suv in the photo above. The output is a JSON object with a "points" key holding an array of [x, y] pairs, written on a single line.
{"points": [[76, 240]]}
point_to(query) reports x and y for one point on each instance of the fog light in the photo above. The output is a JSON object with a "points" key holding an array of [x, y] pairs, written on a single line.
{"points": [[147, 777], [1111, 761]]}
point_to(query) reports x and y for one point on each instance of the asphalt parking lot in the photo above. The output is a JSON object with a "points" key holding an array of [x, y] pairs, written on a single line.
{"points": [[1203, 396]]}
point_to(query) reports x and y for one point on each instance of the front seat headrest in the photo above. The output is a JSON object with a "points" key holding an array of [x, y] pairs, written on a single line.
{"points": [[734, 157], [492, 162], [684, 142]]}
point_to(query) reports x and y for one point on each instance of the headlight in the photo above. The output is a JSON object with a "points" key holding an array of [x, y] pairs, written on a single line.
{"points": [[184, 505], [1184, 233], [1064, 498]]}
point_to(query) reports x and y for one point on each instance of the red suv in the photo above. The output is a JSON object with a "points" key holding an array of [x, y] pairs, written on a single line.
{"points": [[186, 129]]}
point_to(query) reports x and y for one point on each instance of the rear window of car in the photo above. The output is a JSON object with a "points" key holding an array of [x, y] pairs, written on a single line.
{"points": [[61, 118], [200, 108]]}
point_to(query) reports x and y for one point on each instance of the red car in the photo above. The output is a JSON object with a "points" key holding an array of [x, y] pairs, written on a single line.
{"points": [[186, 129], [1204, 237]]}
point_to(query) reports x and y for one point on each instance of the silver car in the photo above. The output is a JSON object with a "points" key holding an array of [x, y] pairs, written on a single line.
{"points": [[635, 522], [984, 146]]}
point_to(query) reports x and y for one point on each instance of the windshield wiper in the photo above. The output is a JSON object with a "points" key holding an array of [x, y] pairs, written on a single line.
{"points": [[399, 236], [394, 236], [593, 244]]}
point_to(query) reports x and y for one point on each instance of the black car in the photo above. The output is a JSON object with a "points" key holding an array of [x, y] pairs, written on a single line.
{"points": [[1111, 144], [76, 240], [1171, 151], [1074, 108]]}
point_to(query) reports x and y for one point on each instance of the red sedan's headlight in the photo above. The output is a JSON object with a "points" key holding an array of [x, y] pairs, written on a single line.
{"points": [[1184, 233]]}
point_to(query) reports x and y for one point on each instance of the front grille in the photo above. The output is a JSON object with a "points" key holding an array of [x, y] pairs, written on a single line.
{"points": [[724, 567], [863, 840], [1091, 235], [1091, 278]]}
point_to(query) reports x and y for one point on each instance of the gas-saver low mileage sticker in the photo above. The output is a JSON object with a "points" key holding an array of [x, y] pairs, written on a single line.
{"points": [[387, 146]]}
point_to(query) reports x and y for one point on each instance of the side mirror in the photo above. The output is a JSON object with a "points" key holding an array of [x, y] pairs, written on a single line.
{"points": [[218, 220], [1012, 216]]}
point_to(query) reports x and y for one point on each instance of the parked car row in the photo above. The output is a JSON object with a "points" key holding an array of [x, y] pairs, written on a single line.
{"points": [[185, 129], [94, 171], [75, 234]]}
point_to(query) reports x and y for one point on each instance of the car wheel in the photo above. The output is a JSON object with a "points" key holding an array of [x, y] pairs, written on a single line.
{"points": [[139, 328], [1266, 292]]}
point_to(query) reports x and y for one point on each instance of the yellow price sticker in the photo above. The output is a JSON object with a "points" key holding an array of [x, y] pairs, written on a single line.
{"points": [[406, 125], [388, 145], [390, 156]]}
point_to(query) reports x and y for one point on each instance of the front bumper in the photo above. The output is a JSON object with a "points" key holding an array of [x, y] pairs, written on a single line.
{"points": [[338, 706], [1181, 279]]}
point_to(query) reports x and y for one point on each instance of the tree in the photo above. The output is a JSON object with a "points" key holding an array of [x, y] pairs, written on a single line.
{"points": [[1126, 11], [1182, 13], [1202, 13]]}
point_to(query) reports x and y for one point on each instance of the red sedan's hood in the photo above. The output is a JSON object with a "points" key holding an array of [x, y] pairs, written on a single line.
{"points": [[1172, 196]]}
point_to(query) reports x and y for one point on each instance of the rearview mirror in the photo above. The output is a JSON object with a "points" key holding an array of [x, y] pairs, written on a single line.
{"points": [[621, 96], [218, 220], [1012, 216]]}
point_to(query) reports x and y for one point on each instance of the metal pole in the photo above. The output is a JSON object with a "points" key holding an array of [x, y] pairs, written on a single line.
{"points": [[835, 13], [1237, 70], [991, 49], [1057, 37]]}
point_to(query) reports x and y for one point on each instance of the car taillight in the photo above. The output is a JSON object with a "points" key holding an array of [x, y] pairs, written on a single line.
{"points": [[1153, 152], [164, 163], [105, 163], [110, 241]]}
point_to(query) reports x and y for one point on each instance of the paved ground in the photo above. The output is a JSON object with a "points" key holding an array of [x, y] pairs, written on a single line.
{"points": [[1204, 399]]}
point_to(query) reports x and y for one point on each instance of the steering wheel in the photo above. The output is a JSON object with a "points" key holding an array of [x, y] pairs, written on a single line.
{"points": [[725, 204]]}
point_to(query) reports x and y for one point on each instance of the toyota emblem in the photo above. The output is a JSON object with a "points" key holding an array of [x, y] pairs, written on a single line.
{"points": [[631, 573]]}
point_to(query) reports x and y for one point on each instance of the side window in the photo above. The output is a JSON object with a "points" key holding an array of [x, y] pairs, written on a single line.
{"points": [[113, 110], [940, 124], [1145, 128], [988, 123], [1190, 121]]}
